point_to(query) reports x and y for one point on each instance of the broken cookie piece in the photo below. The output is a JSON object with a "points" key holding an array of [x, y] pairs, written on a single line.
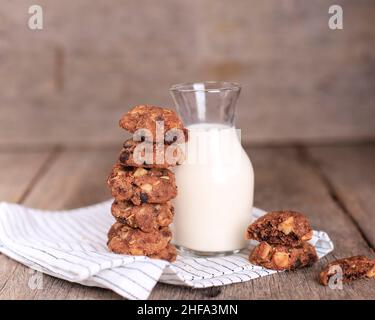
{"points": [[147, 217], [141, 185], [126, 240], [288, 228], [352, 268], [280, 257]]}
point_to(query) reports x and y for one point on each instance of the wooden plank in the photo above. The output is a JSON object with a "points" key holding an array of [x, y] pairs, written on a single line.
{"points": [[302, 81], [76, 178], [19, 171], [284, 180], [351, 172]]}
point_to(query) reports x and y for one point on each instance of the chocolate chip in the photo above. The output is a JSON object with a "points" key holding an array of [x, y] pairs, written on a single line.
{"points": [[124, 156], [121, 220], [144, 197]]}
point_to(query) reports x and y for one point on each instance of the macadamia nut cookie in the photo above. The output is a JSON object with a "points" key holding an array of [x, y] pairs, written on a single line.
{"points": [[126, 240], [352, 268], [150, 155], [288, 228], [280, 257], [147, 217], [147, 116], [141, 185]]}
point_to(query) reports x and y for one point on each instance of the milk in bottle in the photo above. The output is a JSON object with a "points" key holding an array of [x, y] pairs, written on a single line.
{"points": [[216, 181]]}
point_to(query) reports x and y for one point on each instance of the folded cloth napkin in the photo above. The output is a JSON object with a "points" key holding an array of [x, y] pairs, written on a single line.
{"points": [[71, 245]]}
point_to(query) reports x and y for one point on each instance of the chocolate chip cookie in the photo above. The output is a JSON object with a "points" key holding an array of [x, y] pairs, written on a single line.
{"points": [[150, 155], [146, 117], [141, 185], [147, 217], [280, 257], [169, 253], [127, 240], [288, 228], [352, 268]]}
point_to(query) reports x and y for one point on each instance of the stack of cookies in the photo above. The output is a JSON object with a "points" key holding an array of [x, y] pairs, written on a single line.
{"points": [[283, 237], [143, 187]]}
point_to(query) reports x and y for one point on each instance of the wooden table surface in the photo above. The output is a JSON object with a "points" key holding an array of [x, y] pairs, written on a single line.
{"points": [[333, 184]]}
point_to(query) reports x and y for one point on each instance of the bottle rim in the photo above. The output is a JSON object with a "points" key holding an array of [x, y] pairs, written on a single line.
{"points": [[206, 86]]}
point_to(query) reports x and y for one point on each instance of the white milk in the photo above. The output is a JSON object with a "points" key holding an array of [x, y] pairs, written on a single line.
{"points": [[215, 191]]}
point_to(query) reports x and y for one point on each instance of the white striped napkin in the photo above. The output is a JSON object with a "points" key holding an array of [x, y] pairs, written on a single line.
{"points": [[71, 245]]}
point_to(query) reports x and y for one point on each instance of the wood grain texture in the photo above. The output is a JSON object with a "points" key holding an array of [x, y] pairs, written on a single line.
{"points": [[284, 179], [19, 173], [351, 173], [75, 178], [95, 59]]}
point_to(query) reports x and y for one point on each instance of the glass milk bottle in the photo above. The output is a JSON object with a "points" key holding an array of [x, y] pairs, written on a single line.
{"points": [[216, 181]]}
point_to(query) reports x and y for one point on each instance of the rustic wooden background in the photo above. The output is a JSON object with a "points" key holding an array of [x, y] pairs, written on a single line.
{"points": [[70, 82], [307, 114]]}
